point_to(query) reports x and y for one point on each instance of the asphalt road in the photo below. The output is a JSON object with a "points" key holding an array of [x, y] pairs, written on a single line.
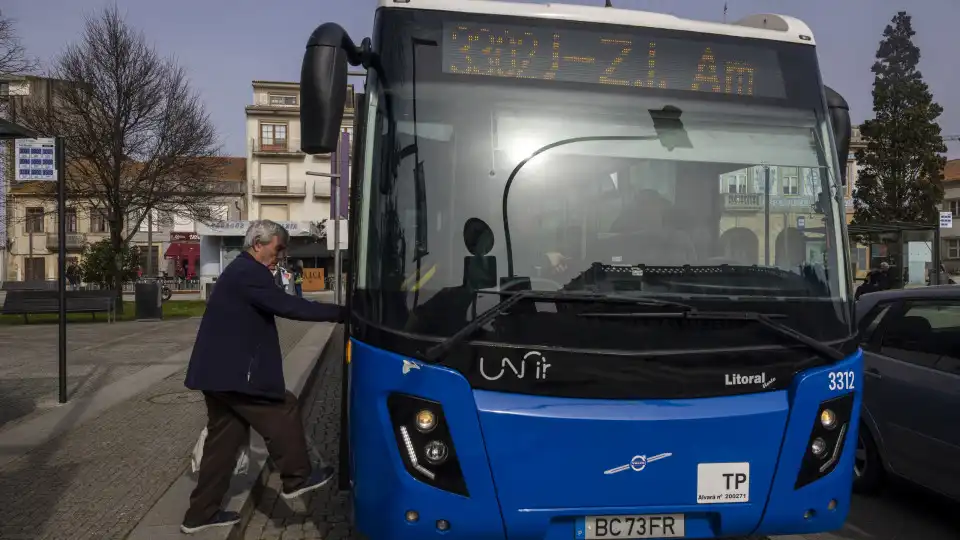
{"points": [[901, 512]]}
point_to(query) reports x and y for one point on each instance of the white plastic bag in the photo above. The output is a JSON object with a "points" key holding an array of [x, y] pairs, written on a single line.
{"points": [[243, 459]]}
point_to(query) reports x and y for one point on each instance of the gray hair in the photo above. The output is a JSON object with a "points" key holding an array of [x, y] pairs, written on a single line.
{"points": [[263, 231]]}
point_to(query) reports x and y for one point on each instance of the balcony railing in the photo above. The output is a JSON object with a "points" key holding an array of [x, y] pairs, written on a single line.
{"points": [[280, 101], [276, 146], [290, 189], [747, 202], [75, 241]]}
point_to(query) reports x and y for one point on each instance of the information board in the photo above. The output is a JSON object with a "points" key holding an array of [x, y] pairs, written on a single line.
{"points": [[946, 220], [35, 160]]}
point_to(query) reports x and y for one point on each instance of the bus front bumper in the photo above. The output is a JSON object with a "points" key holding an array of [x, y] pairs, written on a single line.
{"points": [[532, 467]]}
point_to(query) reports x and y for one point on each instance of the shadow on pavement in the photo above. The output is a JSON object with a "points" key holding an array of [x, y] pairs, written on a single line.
{"points": [[16, 400], [902, 511], [21, 397], [27, 506]]}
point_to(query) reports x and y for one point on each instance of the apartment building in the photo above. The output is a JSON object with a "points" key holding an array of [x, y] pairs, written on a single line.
{"points": [[33, 240], [278, 185], [175, 239], [16, 92]]}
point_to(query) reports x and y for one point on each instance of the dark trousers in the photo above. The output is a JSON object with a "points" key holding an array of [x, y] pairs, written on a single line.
{"points": [[229, 419], [299, 289]]}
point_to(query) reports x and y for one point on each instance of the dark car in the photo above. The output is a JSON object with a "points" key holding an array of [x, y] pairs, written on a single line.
{"points": [[911, 407]]}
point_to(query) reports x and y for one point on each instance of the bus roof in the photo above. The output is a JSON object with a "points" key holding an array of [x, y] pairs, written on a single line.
{"points": [[761, 26]]}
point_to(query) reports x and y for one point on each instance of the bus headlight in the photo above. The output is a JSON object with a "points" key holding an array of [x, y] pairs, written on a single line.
{"points": [[426, 421], [435, 452], [828, 418], [818, 447], [425, 443], [826, 440]]}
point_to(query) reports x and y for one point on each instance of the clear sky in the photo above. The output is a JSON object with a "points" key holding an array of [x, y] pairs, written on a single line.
{"points": [[225, 44]]}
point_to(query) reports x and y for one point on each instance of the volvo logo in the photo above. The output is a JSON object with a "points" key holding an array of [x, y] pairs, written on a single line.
{"points": [[638, 463]]}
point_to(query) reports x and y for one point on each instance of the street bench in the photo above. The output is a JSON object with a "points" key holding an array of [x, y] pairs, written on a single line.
{"points": [[36, 285], [37, 302]]}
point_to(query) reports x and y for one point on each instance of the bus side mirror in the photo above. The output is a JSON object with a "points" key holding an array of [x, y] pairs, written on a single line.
{"points": [[840, 120], [323, 88]]}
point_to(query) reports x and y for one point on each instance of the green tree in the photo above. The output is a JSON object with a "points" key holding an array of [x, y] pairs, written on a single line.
{"points": [[901, 167], [100, 259]]}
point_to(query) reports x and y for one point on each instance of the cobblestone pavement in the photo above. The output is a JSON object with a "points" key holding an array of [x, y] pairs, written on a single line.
{"points": [[324, 514], [97, 481], [97, 355]]}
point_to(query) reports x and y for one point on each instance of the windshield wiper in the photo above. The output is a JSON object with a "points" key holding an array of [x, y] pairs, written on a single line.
{"points": [[767, 321], [438, 350]]}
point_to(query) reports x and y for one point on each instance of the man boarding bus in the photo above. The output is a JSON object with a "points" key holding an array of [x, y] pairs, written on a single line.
{"points": [[690, 370]]}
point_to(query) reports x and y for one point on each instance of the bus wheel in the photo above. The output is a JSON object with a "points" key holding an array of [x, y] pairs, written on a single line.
{"points": [[867, 466]]}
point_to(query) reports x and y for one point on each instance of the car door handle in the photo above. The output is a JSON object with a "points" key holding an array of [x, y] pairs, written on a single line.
{"points": [[873, 372]]}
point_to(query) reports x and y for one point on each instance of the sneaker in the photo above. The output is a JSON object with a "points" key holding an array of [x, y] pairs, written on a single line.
{"points": [[222, 519], [317, 480]]}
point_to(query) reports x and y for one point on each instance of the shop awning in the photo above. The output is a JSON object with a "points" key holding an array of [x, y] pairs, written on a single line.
{"points": [[183, 250], [309, 251]]}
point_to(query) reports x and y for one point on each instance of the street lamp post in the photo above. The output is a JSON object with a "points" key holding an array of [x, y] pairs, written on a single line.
{"points": [[11, 131], [335, 200]]}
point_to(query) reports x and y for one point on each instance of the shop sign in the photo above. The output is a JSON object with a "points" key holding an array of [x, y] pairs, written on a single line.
{"points": [[239, 228], [184, 237]]}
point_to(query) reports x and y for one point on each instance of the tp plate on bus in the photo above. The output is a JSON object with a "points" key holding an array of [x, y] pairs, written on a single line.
{"points": [[644, 526]]}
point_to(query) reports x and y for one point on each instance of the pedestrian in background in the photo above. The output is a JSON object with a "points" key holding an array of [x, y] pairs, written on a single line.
{"points": [[298, 278], [238, 365]]}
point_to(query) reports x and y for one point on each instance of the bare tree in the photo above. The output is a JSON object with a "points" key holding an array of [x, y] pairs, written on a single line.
{"points": [[13, 56], [137, 137]]}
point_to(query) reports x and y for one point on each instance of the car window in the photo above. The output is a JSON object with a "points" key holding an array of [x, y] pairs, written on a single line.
{"points": [[931, 329], [869, 322]]}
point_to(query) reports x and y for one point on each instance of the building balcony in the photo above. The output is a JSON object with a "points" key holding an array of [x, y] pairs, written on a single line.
{"points": [[743, 202], [280, 101], [291, 189], [75, 241], [276, 147]]}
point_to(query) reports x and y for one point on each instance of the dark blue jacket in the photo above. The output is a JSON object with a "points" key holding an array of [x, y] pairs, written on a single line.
{"points": [[237, 347]]}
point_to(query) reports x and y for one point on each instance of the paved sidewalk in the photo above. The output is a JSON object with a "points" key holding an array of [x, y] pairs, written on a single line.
{"points": [[97, 480], [324, 514], [97, 355]]}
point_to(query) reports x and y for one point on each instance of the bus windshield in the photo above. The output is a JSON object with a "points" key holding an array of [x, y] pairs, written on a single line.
{"points": [[477, 178]]}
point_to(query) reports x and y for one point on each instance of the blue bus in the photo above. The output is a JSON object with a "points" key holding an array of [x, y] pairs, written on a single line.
{"points": [[598, 282]]}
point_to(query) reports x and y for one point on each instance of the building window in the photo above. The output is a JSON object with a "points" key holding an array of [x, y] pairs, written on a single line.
{"points": [[98, 222], [34, 222], [790, 180], [273, 136], [154, 220], [861, 259], [953, 248], [71, 219], [736, 183], [34, 269], [283, 101], [954, 207]]}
